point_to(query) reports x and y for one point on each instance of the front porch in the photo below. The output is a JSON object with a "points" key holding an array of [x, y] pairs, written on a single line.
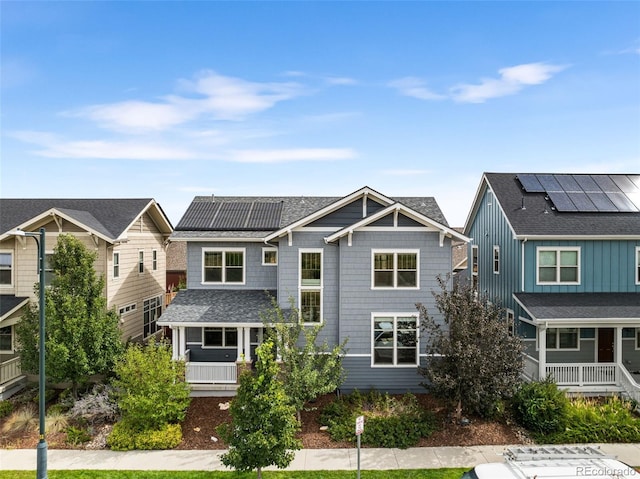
{"points": [[590, 379], [11, 378]]}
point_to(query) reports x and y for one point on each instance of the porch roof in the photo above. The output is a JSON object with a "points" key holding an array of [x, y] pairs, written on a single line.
{"points": [[581, 307], [10, 303], [198, 307]]}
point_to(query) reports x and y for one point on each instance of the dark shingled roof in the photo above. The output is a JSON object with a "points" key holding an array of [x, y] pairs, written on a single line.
{"points": [[581, 305], [276, 212], [8, 302], [109, 217], [217, 306], [540, 218]]}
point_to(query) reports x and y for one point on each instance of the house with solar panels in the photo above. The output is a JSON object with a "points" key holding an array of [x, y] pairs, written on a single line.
{"points": [[561, 252], [129, 237], [356, 264]]}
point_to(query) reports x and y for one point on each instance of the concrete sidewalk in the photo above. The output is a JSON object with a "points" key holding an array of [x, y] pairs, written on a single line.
{"points": [[306, 459]]}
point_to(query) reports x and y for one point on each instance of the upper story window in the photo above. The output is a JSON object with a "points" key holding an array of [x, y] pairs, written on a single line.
{"points": [[223, 266], [6, 268], [558, 265], [496, 260], [310, 286], [154, 260], [474, 267], [48, 269], [269, 256], [116, 265], [395, 340], [562, 338], [395, 269], [141, 262], [637, 265]]}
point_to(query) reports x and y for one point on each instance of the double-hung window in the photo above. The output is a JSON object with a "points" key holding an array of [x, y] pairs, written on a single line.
{"points": [[395, 269], [496, 259], [220, 337], [562, 338], [474, 267], [48, 269], [140, 262], [558, 265], [395, 339], [152, 309], [223, 266], [6, 339], [6, 268], [310, 286], [116, 265], [154, 260]]}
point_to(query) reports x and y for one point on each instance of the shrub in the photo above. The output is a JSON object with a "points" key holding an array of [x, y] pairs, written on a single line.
{"points": [[541, 407], [97, 406], [6, 408], [77, 435], [56, 421], [23, 420], [595, 420], [389, 421], [124, 437]]}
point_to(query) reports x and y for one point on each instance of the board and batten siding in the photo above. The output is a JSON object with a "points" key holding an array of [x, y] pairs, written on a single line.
{"points": [[257, 275], [606, 266]]}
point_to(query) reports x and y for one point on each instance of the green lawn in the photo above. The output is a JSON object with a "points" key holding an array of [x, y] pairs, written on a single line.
{"points": [[394, 474]]}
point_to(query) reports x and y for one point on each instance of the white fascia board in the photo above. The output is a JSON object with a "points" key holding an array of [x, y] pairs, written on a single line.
{"points": [[587, 322], [366, 191], [577, 237], [482, 188], [213, 324], [27, 225], [217, 240], [9, 313], [152, 204]]}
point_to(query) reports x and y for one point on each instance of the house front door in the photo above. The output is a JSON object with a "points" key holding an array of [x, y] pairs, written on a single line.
{"points": [[605, 345]]}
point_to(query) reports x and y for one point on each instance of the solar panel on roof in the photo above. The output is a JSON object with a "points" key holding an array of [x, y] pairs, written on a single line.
{"points": [[587, 183], [625, 184], [582, 202], [568, 183], [601, 202], [549, 182], [530, 183], [622, 203], [264, 216], [561, 201], [605, 183], [230, 216], [198, 215]]}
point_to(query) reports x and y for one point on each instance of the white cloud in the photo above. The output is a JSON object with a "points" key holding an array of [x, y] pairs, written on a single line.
{"points": [[52, 146], [340, 81], [295, 154], [210, 94], [512, 80], [414, 87]]}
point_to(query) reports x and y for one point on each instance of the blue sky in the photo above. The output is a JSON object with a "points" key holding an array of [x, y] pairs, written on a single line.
{"points": [[175, 99]]}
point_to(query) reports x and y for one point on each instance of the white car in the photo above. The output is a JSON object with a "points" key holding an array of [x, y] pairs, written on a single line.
{"points": [[552, 462]]}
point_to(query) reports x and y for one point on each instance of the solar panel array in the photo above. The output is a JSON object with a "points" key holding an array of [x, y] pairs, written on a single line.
{"points": [[231, 216], [587, 193]]}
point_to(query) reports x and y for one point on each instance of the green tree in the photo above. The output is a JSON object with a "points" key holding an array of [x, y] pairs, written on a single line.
{"points": [[82, 335], [151, 387], [309, 368], [474, 360], [263, 424]]}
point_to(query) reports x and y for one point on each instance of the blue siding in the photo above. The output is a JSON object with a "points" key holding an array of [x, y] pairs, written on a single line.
{"points": [[362, 377]]}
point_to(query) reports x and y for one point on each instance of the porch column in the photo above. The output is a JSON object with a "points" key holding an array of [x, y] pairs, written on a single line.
{"points": [[240, 345], [247, 344], [542, 351], [174, 343], [182, 342]]}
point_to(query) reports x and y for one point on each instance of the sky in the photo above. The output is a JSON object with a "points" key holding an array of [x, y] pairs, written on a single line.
{"points": [[171, 100]]}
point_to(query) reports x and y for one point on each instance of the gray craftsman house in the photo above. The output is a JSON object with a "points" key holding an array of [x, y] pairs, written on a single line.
{"points": [[356, 264], [561, 252]]}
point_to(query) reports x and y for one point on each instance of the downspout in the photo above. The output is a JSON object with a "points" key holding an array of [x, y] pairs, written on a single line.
{"points": [[522, 265]]}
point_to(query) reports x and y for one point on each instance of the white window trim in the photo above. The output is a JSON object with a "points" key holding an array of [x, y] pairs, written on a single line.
{"points": [[160, 303], [13, 341], [636, 339], [316, 287], [140, 262], [113, 265], [636, 268], [269, 249], [224, 275], [224, 338], [496, 260], [13, 267], [127, 309], [510, 317], [558, 249], [395, 350], [395, 253], [557, 345], [154, 260]]}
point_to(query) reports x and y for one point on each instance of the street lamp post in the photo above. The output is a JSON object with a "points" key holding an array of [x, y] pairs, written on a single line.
{"points": [[41, 458]]}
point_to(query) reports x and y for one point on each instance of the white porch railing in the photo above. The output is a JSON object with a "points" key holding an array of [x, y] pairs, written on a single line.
{"points": [[531, 368], [212, 373], [582, 374], [628, 383], [10, 369]]}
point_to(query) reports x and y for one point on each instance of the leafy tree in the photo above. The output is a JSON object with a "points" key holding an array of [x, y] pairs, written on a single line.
{"points": [[474, 361], [82, 336], [151, 387], [263, 425], [309, 368]]}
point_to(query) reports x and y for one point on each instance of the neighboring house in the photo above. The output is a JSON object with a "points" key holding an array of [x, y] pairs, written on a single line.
{"points": [[356, 264], [129, 236], [561, 253], [176, 265]]}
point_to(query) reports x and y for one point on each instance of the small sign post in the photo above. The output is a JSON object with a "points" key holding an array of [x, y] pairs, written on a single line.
{"points": [[359, 431]]}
